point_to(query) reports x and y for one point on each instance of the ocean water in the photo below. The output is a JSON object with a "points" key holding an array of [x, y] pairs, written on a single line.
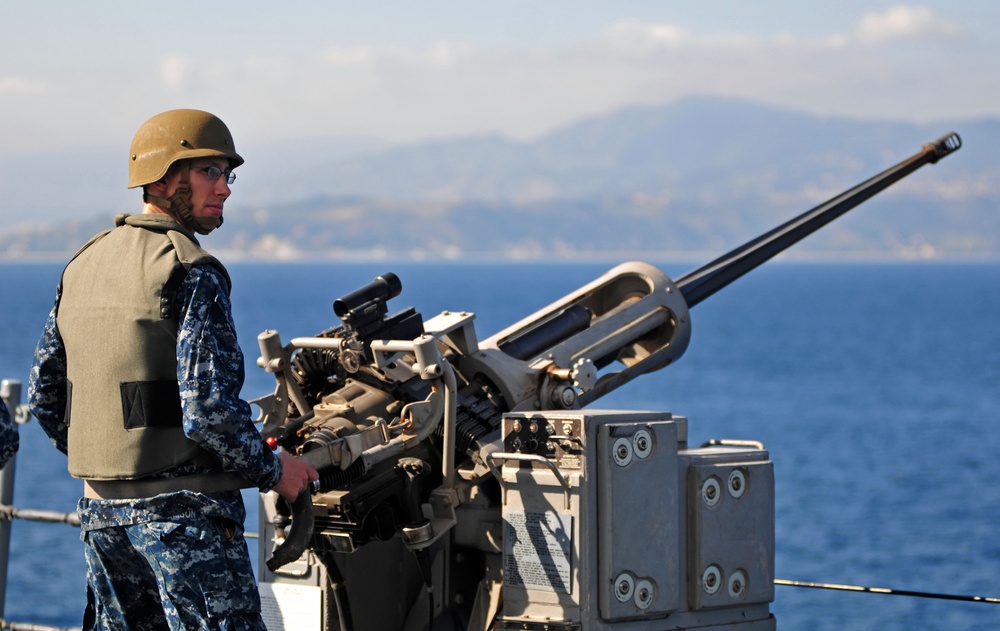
{"points": [[875, 387]]}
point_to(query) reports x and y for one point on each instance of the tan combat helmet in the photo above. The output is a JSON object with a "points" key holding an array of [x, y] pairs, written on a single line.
{"points": [[179, 135]]}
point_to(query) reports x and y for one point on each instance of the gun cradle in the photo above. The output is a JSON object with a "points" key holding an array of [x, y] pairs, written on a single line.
{"points": [[637, 318]]}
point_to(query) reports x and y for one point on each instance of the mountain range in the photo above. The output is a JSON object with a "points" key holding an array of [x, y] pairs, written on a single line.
{"points": [[692, 178]]}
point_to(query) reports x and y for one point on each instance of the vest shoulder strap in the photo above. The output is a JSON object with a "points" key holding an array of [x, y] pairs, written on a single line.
{"points": [[190, 253], [94, 239]]}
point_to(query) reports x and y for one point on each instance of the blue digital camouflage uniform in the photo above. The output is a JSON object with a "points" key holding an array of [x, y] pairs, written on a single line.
{"points": [[9, 438], [176, 560]]}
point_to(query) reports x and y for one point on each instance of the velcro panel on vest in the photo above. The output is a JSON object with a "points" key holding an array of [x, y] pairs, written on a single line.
{"points": [[151, 404], [69, 403]]}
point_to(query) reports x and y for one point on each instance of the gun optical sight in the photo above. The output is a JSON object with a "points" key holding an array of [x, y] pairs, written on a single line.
{"points": [[383, 288]]}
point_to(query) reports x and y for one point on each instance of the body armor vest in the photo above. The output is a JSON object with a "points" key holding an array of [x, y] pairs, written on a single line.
{"points": [[115, 317]]}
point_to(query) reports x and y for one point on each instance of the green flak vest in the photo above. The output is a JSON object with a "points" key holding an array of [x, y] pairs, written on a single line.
{"points": [[115, 317]]}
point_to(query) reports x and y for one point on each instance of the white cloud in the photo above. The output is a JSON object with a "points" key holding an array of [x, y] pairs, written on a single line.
{"points": [[640, 37], [450, 87], [349, 56], [897, 23], [19, 85], [904, 22], [174, 70], [645, 38], [447, 53]]}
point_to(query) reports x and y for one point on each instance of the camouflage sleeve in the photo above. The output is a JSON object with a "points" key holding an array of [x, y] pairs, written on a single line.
{"points": [[9, 438], [47, 384], [210, 374]]}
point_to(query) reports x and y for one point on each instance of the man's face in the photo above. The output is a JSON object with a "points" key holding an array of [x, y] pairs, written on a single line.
{"points": [[208, 195]]}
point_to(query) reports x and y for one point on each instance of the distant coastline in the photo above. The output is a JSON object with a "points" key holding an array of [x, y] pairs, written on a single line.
{"points": [[701, 175]]}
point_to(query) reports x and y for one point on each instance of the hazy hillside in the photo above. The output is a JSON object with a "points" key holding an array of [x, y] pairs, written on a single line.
{"points": [[698, 176]]}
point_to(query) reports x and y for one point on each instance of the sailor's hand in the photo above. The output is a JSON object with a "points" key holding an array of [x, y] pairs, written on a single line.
{"points": [[296, 476]]}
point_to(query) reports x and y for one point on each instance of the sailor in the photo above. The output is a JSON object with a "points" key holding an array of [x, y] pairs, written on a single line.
{"points": [[137, 378], [9, 438]]}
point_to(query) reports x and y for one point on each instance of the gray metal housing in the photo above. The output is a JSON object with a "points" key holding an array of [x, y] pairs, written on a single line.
{"points": [[621, 526]]}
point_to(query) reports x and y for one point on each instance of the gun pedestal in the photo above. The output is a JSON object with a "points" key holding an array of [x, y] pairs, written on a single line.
{"points": [[615, 523]]}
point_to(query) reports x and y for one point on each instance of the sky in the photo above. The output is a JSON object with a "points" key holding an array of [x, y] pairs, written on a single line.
{"points": [[79, 78]]}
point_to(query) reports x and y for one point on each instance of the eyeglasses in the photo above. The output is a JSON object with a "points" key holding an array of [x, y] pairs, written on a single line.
{"points": [[213, 173]]}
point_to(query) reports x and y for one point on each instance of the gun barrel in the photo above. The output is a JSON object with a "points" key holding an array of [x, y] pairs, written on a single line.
{"points": [[701, 283]]}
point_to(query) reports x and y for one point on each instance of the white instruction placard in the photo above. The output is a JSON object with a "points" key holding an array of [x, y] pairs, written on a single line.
{"points": [[291, 607], [537, 550]]}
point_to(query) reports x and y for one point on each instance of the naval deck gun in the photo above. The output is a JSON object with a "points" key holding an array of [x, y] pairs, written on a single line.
{"points": [[468, 480]]}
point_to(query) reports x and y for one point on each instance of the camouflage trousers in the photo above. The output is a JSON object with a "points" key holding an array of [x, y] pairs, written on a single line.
{"points": [[162, 575]]}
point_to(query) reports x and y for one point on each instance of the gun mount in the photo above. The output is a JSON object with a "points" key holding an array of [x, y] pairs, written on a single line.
{"points": [[464, 476]]}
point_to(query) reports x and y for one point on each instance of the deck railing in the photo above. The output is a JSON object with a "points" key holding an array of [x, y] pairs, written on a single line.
{"points": [[10, 390]]}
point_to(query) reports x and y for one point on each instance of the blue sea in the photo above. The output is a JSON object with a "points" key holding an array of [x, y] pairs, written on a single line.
{"points": [[875, 388]]}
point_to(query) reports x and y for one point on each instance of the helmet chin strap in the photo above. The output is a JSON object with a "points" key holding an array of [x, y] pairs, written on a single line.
{"points": [[179, 205], [204, 225]]}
